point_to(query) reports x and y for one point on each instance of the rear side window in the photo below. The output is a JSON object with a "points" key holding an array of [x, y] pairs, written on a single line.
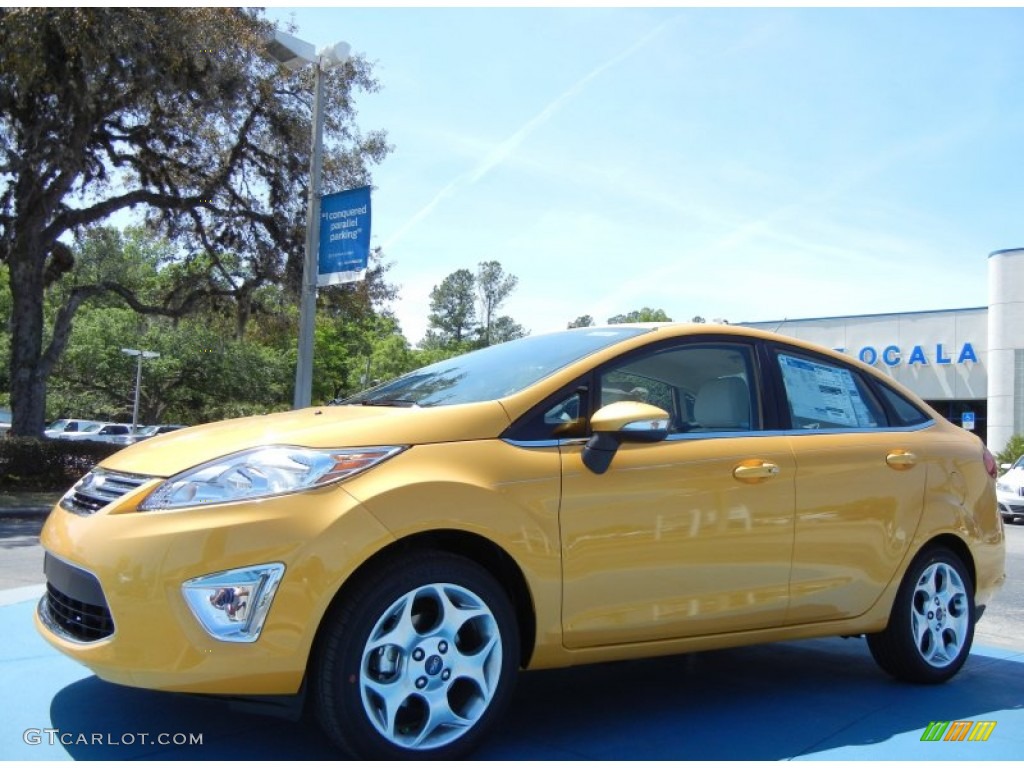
{"points": [[825, 395], [906, 412]]}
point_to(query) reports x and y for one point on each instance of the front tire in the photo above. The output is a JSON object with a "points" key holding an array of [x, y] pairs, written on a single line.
{"points": [[418, 661], [931, 627]]}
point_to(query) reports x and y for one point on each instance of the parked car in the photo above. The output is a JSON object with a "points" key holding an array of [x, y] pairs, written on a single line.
{"points": [[583, 496], [142, 433], [5, 421], [67, 427], [1010, 492], [162, 429], [101, 432]]}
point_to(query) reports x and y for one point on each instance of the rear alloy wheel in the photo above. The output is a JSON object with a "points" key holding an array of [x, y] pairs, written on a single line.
{"points": [[418, 662], [931, 627]]}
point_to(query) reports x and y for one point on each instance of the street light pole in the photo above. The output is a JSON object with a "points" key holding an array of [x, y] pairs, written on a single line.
{"points": [[294, 53], [307, 302], [140, 354]]}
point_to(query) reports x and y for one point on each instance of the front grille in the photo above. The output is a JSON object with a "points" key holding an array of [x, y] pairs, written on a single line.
{"points": [[99, 488], [74, 605]]}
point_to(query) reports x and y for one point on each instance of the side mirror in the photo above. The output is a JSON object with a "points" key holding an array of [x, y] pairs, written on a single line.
{"points": [[626, 421], [1006, 466]]}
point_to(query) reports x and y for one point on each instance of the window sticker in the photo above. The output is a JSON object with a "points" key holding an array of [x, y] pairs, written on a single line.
{"points": [[823, 395]]}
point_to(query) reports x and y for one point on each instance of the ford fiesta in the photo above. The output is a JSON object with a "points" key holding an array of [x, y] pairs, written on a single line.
{"points": [[596, 494]]}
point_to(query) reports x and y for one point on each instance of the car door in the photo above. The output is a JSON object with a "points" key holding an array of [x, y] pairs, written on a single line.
{"points": [[689, 536], [860, 487]]}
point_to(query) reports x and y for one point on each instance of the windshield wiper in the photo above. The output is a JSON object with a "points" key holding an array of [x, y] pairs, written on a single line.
{"points": [[386, 403]]}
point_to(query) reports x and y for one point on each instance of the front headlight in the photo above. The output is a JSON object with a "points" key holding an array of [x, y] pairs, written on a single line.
{"points": [[260, 472]]}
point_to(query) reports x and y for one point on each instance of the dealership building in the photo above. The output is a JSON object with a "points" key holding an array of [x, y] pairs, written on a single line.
{"points": [[966, 363]]}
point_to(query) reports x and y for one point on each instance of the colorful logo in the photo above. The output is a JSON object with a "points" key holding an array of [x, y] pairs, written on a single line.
{"points": [[959, 730]]}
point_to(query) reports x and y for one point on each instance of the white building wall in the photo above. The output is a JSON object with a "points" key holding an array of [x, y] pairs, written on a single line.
{"points": [[957, 354], [1006, 345], [940, 355]]}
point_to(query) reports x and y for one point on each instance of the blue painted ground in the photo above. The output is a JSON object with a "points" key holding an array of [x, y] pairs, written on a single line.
{"points": [[812, 700]]}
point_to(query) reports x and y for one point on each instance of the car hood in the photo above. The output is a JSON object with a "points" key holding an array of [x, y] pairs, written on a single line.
{"points": [[320, 427], [1013, 478]]}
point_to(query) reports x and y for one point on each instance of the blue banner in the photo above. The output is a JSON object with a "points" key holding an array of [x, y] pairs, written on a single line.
{"points": [[344, 237]]}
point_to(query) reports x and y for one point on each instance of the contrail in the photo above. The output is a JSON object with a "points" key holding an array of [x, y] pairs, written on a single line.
{"points": [[509, 145]]}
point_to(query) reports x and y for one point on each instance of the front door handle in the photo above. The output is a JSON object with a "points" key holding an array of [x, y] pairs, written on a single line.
{"points": [[901, 460], [756, 471]]}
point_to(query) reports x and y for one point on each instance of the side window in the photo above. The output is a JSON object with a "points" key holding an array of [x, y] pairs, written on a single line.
{"points": [[907, 413], [826, 395], [703, 387], [562, 416]]}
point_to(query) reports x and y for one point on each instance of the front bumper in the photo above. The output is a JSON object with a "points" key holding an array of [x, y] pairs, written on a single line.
{"points": [[115, 601], [1010, 506]]}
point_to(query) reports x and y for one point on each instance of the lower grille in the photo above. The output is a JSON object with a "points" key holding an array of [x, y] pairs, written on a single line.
{"points": [[74, 606]]}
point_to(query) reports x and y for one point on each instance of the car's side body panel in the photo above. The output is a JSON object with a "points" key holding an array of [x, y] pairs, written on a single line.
{"points": [[503, 493], [670, 543], [856, 515]]}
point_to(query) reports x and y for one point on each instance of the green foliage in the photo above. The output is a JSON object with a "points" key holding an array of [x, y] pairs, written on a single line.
{"points": [[493, 286], [505, 329], [177, 113], [645, 315], [452, 307], [454, 326], [1014, 450], [583, 321], [28, 463]]}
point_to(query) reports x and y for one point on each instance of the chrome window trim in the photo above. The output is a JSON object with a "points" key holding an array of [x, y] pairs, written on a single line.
{"points": [[683, 436], [543, 443], [801, 432]]}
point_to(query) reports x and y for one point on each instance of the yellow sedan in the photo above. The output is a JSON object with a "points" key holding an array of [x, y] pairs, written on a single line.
{"points": [[601, 493]]}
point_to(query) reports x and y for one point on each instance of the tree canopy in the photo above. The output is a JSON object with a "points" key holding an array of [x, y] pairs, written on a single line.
{"points": [[645, 315], [452, 308], [583, 321], [453, 319], [174, 110]]}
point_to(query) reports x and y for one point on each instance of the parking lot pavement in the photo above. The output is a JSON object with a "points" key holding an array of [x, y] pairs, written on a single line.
{"points": [[811, 700]]}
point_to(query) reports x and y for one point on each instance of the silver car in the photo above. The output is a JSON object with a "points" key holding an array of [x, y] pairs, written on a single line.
{"points": [[1010, 492]]}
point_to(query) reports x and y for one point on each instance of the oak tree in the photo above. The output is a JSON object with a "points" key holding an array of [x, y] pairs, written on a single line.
{"points": [[176, 112]]}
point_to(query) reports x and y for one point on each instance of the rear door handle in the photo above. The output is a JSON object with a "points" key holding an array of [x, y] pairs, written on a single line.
{"points": [[762, 470], [901, 460]]}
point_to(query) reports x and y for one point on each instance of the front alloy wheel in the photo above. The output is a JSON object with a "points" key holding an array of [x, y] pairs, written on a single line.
{"points": [[418, 661], [931, 627]]}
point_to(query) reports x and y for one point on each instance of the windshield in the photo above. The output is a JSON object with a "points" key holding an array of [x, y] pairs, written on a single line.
{"points": [[493, 372]]}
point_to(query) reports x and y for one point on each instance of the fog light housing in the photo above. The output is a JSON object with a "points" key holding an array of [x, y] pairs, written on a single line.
{"points": [[232, 605]]}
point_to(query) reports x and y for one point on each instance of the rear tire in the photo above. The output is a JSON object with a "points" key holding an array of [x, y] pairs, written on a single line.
{"points": [[931, 627], [418, 662]]}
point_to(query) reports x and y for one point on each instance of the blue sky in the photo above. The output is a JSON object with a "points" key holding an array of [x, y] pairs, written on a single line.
{"points": [[747, 164]]}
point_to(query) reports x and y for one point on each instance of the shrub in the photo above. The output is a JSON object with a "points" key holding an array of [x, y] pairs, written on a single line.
{"points": [[28, 463], [1014, 450]]}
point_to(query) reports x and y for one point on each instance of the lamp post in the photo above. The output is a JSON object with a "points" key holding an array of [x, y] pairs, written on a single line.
{"points": [[294, 54], [140, 354]]}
